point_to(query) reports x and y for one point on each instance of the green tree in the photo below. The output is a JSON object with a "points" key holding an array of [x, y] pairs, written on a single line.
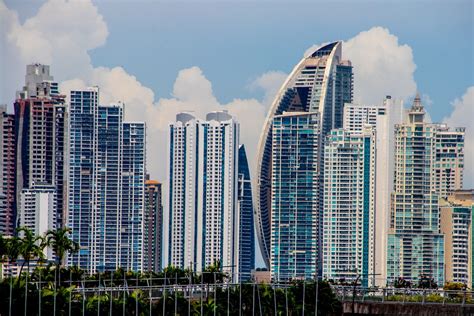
{"points": [[30, 247], [61, 244]]}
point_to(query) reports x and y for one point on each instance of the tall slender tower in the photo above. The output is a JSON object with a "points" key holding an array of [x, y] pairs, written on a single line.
{"points": [[320, 83], [83, 142], [153, 227], [415, 243], [294, 198], [40, 133], [246, 227], [383, 118], [203, 177], [7, 172], [349, 205], [132, 213]]}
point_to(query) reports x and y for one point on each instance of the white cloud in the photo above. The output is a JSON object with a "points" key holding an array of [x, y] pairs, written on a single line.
{"points": [[382, 66], [462, 116], [270, 82], [60, 34]]}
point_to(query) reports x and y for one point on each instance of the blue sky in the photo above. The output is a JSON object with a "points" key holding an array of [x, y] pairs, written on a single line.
{"points": [[234, 42]]}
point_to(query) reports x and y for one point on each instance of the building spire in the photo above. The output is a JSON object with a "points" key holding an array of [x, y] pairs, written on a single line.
{"points": [[417, 112], [417, 103]]}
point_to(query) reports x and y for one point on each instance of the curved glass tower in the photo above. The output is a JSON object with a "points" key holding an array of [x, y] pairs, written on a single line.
{"points": [[320, 83]]}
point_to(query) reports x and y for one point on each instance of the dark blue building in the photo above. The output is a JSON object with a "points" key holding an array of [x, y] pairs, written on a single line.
{"points": [[245, 203]]}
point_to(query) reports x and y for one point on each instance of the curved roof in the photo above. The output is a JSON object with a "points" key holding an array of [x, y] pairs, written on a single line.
{"points": [[296, 94]]}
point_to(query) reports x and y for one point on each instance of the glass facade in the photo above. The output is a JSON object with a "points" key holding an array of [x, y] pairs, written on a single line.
{"points": [[246, 233], [415, 243], [106, 185], [349, 206], [294, 198], [321, 83], [82, 217]]}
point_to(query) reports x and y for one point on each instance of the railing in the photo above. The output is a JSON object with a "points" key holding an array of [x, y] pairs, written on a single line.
{"points": [[404, 295]]}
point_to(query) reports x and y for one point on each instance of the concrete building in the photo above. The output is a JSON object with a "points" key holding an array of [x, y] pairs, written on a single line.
{"points": [[37, 212], [456, 213], [449, 154], [415, 243], [7, 173], [153, 226], [294, 198], [349, 205], [203, 217], [40, 134], [320, 83], [383, 117]]}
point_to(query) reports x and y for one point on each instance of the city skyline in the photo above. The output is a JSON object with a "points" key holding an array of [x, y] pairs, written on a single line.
{"points": [[197, 83], [361, 70]]}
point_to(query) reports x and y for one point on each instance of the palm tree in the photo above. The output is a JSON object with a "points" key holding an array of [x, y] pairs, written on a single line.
{"points": [[12, 248], [30, 247], [61, 244]]}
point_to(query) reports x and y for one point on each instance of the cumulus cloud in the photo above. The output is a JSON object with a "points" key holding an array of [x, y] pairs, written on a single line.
{"points": [[64, 42], [60, 34], [270, 82], [462, 116], [382, 66]]}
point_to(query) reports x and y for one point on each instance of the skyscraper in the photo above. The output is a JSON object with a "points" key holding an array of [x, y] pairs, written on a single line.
{"points": [[246, 227], [294, 198], [321, 82], [107, 180], [203, 217], [449, 166], [383, 118], [349, 205], [153, 227], [7, 172], [40, 128], [133, 195], [456, 224], [106, 185], [415, 243], [83, 139]]}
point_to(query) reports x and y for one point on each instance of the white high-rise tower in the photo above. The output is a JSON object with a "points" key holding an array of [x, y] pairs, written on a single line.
{"points": [[202, 214]]}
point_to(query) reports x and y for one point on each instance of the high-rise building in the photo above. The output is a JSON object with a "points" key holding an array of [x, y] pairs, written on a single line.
{"points": [[383, 118], [37, 212], [203, 218], [449, 166], [349, 205], [294, 198], [133, 195], [7, 172], [106, 185], [246, 227], [107, 180], [456, 224], [83, 141], [415, 243], [153, 227], [321, 82], [40, 129]]}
